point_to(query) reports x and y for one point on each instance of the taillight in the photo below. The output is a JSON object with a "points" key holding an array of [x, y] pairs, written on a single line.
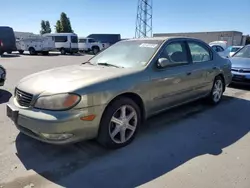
{"points": [[1, 43]]}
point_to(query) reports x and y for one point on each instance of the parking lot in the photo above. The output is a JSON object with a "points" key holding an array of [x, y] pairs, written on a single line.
{"points": [[195, 145]]}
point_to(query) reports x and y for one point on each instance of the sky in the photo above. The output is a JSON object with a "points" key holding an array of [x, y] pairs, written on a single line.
{"points": [[119, 16]]}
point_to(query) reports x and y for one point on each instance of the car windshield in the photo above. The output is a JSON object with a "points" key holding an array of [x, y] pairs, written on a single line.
{"points": [[128, 54], [244, 52]]}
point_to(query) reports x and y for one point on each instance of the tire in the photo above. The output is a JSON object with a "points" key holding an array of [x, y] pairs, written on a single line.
{"points": [[32, 51], [20, 51], [1, 53], [107, 127], [95, 50], [9, 52], [216, 93], [63, 51], [45, 53]]}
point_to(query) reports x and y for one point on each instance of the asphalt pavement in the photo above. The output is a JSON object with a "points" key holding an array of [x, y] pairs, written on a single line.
{"points": [[195, 145]]}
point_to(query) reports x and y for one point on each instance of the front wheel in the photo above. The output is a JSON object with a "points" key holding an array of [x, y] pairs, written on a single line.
{"points": [[119, 123], [217, 91]]}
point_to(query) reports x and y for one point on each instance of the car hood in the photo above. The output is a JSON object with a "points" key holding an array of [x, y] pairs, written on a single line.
{"points": [[239, 62], [70, 78]]}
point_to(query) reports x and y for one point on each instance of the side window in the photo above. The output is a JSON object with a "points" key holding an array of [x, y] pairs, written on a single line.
{"points": [[214, 48], [61, 38], [176, 53], [220, 49], [198, 52], [91, 40]]}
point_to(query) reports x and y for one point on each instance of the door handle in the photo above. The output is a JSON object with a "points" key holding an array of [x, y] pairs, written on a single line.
{"points": [[189, 73]]}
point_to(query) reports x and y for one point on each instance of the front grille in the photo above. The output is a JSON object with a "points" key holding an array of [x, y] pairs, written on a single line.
{"points": [[241, 70], [23, 98]]}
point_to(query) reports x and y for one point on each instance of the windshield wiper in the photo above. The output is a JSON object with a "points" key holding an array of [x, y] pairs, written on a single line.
{"points": [[87, 62], [109, 65]]}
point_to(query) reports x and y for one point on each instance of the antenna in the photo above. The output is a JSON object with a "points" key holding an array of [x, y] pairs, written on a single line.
{"points": [[143, 27]]}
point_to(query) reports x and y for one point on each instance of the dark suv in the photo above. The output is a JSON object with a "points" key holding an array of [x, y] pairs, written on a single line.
{"points": [[7, 40]]}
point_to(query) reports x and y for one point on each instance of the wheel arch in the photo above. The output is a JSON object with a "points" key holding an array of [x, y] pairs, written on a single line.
{"points": [[133, 96]]}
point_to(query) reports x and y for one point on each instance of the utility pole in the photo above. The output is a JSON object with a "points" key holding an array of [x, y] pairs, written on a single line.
{"points": [[143, 27]]}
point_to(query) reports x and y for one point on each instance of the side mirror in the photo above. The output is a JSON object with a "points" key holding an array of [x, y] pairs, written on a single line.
{"points": [[163, 62]]}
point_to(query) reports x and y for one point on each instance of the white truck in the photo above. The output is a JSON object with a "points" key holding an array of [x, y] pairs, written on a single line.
{"points": [[35, 44], [90, 44]]}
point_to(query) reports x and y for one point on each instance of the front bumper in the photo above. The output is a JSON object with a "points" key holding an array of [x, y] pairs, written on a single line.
{"points": [[36, 123], [241, 78]]}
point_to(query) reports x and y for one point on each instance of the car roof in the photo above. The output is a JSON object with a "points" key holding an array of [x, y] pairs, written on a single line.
{"points": [[160, 38]]}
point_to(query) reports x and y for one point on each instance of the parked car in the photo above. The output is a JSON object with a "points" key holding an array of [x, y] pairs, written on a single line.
{"points": [[7, 40], [65, 42], [217, 47], [90, 45], [112, 94], [2, 75], [231, 50], [241, 66]]}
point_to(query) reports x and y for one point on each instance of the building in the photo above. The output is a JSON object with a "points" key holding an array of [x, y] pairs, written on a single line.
{"points": [[232, 37]]}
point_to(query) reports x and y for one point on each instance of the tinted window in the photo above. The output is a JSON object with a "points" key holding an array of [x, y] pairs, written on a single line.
{"points": [[176, 53], [82, 40], [198, 52], [219, 49], [214, 48], [91, 41], [61, 38], [74, 39]]}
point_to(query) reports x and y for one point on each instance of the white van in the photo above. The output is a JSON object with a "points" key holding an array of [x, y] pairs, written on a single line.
{"points": [[65, 42]]}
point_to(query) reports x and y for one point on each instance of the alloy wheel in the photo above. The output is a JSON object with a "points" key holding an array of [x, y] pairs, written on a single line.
{"points": [[123, 124], [217, 90]]}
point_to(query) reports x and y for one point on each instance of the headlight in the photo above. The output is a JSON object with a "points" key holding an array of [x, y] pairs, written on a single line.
{"points": [[57, 102]]}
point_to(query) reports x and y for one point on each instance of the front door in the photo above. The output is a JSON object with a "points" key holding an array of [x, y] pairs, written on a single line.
{"points": [[174, 83]]}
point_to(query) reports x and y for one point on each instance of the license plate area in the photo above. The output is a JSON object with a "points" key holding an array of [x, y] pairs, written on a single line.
{"points": [[239, 77], [12, 113]]}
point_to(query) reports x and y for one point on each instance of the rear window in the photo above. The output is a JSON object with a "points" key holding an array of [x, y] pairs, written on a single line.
{"points": [[74, 39], [82, 40]]}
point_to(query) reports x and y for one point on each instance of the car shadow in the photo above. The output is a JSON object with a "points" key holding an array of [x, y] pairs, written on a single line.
{"points": [[240, 86], [39, 54], [166, 142], [4, 96], [10, 55]]}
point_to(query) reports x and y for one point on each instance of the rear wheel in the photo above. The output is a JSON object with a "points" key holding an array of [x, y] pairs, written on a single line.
{"points": [[119, 123], [217, 91], [32, 51], [95, 50], [63, 51], [45, 53]]}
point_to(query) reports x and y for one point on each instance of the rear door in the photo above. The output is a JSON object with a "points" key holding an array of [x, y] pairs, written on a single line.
{"points": [[74, 41], [202, 66]]}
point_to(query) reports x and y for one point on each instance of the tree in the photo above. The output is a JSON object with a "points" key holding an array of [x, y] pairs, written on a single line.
{"points": [[63, 25], [58, 26], [48, 28], [45, 27]]}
